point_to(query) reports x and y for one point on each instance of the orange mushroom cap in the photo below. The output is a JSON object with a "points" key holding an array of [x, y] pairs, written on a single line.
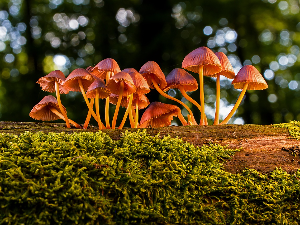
{"points": [[151, 70], [114, 83], [202, 56], [47, 82], [139, 81], [181, 78], [141, 99], [107, 65], [158, 115], [227, 69], [97, 85], [71, 83], [94, 71], [41, 111], [113, 99], [249, 74]]}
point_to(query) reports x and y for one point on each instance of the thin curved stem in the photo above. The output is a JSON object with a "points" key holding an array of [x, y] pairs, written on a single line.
{"points": [[88, 117], [174, 99], [127, 111], [136, 114], [184, 94], [182, 120], [107, 103], [101, 125], [216, 122], [131, 117], [238, 102], [60, 115], [87, 102], [114, 121], [60, 105], [201, 84]]}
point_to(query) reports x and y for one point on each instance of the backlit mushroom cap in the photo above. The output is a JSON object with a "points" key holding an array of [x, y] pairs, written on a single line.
{"points": [[71, 83], [151, 70], [158, 115], [249, 74], [41, 111], [181, 78], [97, 85], [202, 56], [227, 69], [94, 71], [139, 81], [107, 65], [141, 99], [114, 83], [113, 99], [47, 82]]}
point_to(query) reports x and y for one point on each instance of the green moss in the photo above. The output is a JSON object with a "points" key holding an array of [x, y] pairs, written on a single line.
{"points": [[293, 128], [89, 178]]}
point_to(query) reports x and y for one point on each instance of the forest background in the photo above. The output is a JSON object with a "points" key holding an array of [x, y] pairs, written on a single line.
{"points": [[39, 36]]}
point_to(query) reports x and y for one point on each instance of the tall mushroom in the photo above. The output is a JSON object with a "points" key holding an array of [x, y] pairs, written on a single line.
{"points": [[185, 82], [156, 79], [204, 62], [120, 84], [95, 91], [48, 109], [142, 88], [248, 78], [106, 69], [79, 80], [53, 82], [160, 114], [227, 71]]}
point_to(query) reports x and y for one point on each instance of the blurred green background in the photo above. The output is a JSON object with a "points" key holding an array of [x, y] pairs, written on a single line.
{"points": [[38, 36]]}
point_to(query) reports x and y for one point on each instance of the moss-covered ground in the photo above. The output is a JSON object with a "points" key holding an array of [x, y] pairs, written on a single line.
{"points": [[136, 177]]}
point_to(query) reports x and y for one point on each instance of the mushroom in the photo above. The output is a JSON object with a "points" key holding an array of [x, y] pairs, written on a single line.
{"points": [[79, 80], [248, 78], [142, 88], [53, 82], [122, 85], [48, 109], [185, 82], [160, 115], [227, 71], [95, 91], [204, 62], [156, 79], [106, 69]]}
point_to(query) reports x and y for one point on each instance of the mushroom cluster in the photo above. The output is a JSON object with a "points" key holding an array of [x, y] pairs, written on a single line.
{"points": [[128, 88]]}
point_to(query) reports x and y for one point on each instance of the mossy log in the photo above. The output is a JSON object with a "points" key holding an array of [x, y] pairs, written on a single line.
{"points": [[262, 147]]}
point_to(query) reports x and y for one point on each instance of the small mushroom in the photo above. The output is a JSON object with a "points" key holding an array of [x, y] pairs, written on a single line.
{"points": [[79, 80], [185, 82], [160, 114], [53, 82], [248, 78], [106, 69], [48, 109], [120, 84], [227, 71], [142, 88], [204, 62], [156, 79], [95, 91]]}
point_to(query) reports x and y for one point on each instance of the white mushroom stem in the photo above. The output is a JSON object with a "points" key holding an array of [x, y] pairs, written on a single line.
{"points": [[128, 110], [114, 121], [238, 102], [216, 122], [60, 105], [60, 115]]}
